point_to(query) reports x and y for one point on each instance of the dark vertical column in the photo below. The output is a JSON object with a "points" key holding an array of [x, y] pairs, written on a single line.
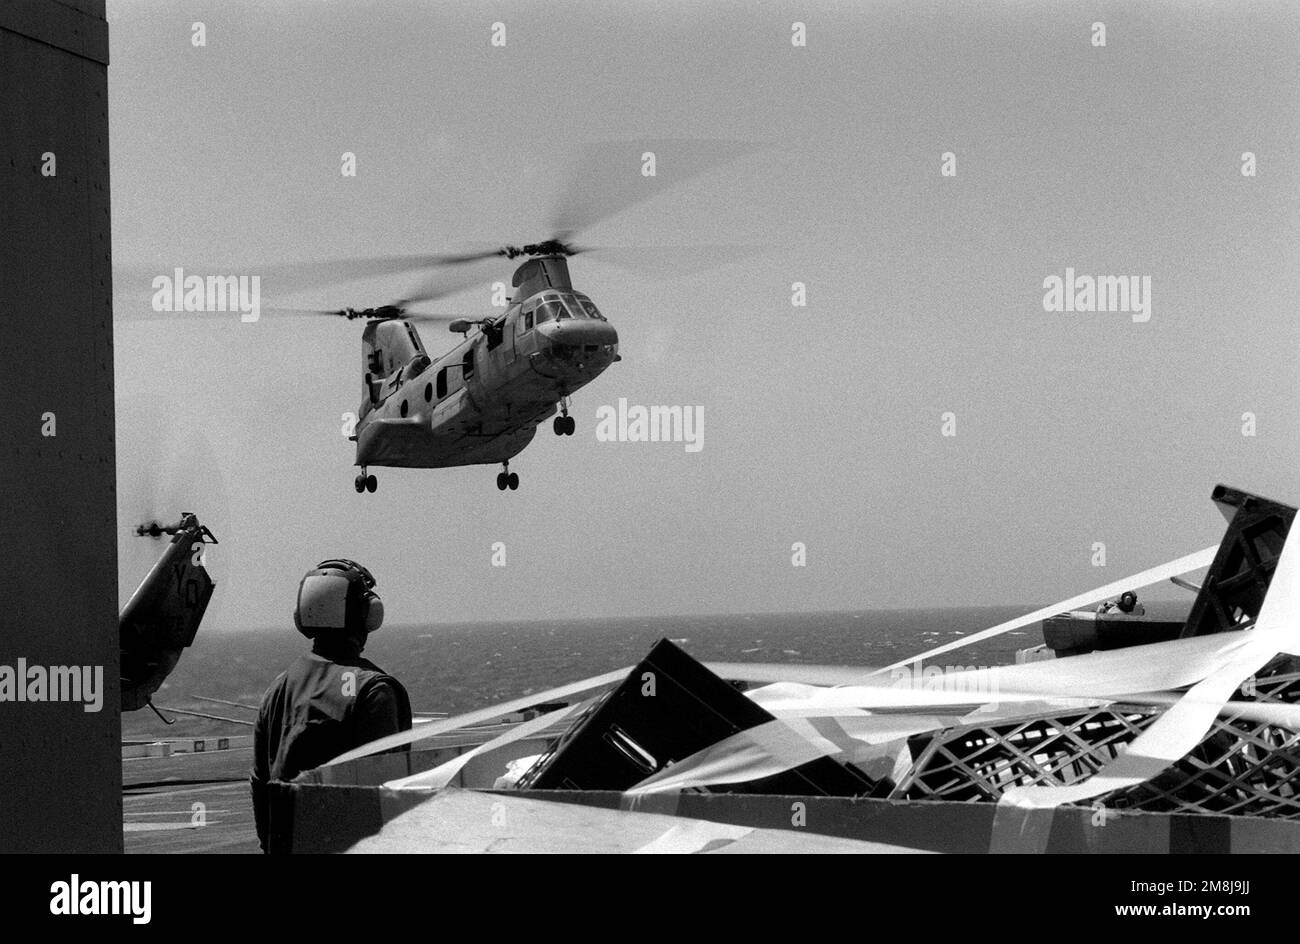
{"points": [[60, 766]]}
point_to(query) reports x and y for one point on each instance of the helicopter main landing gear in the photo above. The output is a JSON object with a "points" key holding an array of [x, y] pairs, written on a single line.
{"points": [[564, 424], [507, 479], [365, 483]]}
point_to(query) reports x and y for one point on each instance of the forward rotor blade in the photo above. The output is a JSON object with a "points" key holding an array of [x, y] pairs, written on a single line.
{"points": [[445, 285], [609, 178], [669, 261]]}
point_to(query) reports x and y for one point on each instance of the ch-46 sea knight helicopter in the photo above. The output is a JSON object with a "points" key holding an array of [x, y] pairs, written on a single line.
{"points": [[482, 401]]}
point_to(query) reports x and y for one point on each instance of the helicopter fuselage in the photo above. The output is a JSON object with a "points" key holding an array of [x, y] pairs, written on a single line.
{"points": [[481, 401]]}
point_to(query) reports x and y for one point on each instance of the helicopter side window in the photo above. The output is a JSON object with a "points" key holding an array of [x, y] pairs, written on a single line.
{"points": [[442, 383]]}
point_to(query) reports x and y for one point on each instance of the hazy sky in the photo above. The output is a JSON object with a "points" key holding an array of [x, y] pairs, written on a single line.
{"points": [[822, 424]]}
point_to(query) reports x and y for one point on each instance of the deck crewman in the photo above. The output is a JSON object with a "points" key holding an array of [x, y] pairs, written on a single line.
{"points": [[1126, 605], [331, 699]]}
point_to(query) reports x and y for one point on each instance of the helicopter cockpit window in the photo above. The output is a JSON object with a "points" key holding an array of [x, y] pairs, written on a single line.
{"points": [[550, 311], [575, 310], [591, 310]]}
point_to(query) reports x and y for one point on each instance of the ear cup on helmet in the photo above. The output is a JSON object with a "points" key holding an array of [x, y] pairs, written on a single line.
{"points": [[374, 612]]}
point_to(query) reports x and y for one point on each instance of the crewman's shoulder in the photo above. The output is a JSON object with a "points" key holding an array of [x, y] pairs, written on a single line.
{"points": [[373, 670], [383, 681], [276, 688], [376, 679]]}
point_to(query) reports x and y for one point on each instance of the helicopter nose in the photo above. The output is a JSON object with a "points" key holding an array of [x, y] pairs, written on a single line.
{"points": [[585, 334], [581, 347]]}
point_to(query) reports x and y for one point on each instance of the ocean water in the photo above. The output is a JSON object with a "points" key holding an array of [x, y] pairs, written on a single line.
{"points": [[458, 667]]}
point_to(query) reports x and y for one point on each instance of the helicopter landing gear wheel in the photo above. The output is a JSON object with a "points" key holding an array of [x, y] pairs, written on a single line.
{"points": [[372, 483], [507, 479], [564, 423], [359, 483], [501, 481], [512, 481]]}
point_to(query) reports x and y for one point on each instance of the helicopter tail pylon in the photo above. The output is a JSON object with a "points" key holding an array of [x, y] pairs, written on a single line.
{"points": [[162, 617]]}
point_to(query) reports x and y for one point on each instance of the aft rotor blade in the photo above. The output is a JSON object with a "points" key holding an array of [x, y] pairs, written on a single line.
{"points": [[296, 277], [364, 315], [329, 312], [433, 317]]}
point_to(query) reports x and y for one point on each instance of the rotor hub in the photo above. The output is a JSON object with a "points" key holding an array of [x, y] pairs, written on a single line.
{"points": [[549, 247]]}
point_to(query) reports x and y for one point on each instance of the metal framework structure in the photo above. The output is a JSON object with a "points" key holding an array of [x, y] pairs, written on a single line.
{"points": [[1241, 767], [979, 762]]}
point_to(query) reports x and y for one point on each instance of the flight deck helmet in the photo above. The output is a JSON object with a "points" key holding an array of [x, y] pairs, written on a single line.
{"points": [[337, 595]]}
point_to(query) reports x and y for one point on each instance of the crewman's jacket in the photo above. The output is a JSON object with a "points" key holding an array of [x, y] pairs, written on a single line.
{"points": [[325, 704]]}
